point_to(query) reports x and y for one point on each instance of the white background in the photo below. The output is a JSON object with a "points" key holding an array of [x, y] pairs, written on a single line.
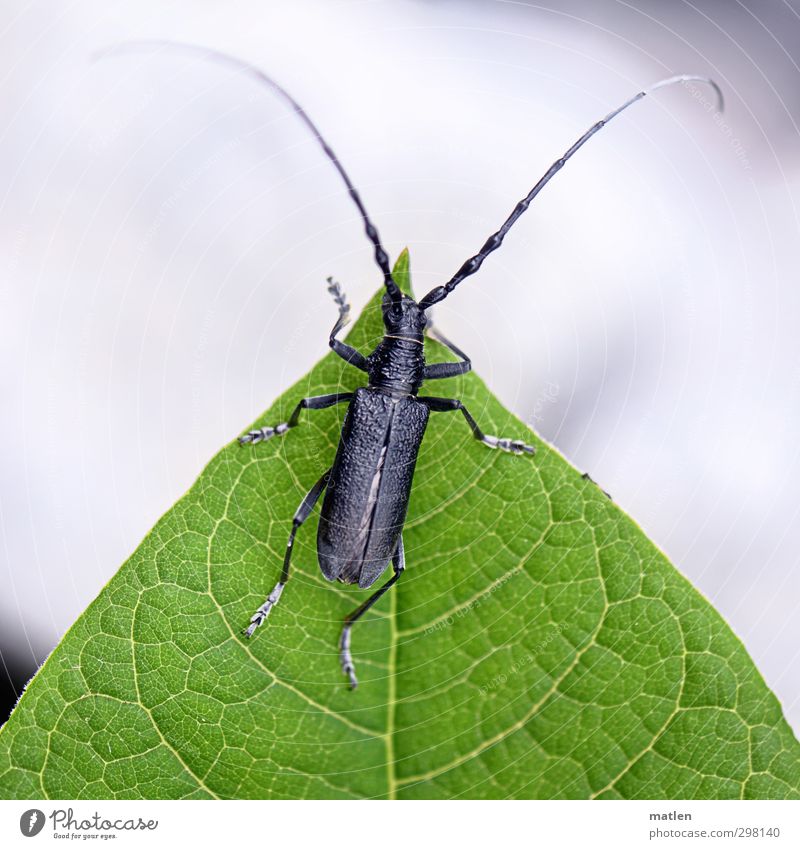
{"points": [[459, 823], [166, 228]]}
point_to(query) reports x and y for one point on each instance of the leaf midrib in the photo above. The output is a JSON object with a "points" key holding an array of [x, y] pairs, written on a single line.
{"points": [[244, 644]]}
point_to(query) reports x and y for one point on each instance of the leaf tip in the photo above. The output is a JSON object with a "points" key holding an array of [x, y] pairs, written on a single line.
{"points": [[402, 272]]}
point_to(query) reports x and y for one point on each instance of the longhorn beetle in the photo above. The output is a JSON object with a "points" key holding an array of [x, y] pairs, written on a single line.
{"points": [[368, 486]]}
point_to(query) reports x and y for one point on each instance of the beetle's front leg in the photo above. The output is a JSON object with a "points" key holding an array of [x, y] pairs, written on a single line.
{"points": [[444, 405], [317, 402], [346, 352]]}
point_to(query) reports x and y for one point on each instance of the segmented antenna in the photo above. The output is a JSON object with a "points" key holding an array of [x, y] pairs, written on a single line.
{"points": [[495, 240], [239, 65]]}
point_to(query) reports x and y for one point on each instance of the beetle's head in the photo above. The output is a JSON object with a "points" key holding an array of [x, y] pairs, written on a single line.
{"points": [[403, 317]]}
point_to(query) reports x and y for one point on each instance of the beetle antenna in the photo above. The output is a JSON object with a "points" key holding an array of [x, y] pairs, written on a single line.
{"points": [[496, 239], [239, 65]]}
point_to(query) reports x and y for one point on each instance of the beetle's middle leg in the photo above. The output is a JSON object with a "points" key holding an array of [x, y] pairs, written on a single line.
{"points": [[303, 512], [443, 405], [316, 402], [437, 371], [346, 658]]}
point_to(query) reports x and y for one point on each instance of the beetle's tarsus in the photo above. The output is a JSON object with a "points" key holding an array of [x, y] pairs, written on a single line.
{"points": [[513, 446], [254, 436], [340, 299], [261, 614], [346, 658], [263, 434], [338, 295]]}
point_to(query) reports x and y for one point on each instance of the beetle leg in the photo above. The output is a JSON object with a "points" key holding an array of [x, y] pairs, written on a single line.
{"points": [[587, 477], [346, 658], [317, 402], [303, 512], [346, 352], [443, 405], [437, 371]]}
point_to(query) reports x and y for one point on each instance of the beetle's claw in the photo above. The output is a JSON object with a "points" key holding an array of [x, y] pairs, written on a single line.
{"points": [[350, 671], [250, 629], [256, 620]]}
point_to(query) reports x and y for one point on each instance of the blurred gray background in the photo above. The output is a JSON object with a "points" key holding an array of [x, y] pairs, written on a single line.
{"points": [[166, 228]]}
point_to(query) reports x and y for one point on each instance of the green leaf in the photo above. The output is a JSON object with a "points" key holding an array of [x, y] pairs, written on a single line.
{"points": [[538, 644]]}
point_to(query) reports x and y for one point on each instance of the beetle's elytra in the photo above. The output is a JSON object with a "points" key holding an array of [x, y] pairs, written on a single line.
{"points": [[368, 485]]}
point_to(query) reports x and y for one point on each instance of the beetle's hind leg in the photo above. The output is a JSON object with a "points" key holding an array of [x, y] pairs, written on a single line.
{"points": [[303, 512], [345, 656], [316, 402]]}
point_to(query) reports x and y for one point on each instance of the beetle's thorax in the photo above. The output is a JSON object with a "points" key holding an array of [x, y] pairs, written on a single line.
{"points": [[397, 365]]}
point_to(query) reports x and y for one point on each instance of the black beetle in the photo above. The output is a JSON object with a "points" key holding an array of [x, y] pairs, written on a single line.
{"points": [[368, 486]]}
